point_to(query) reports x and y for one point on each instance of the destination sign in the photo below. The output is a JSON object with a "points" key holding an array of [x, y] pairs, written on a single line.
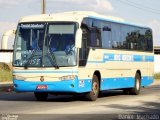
{"points": [[29, 26]]}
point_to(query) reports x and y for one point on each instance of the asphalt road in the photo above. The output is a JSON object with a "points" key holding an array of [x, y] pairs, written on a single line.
{"points": [[110, 105]]}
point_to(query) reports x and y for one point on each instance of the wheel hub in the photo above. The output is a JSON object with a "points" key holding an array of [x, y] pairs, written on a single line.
{"points": [[137, 85], [95, 88]]}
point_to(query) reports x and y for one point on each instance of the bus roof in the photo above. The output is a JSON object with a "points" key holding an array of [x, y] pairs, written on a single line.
{"points": [[75, 16]]}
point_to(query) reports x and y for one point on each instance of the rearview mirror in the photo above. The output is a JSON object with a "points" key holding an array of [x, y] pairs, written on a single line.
{"points": [[79, 38]]}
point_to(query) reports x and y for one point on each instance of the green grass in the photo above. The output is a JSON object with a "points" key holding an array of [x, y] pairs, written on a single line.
{"points": [[157, 76], [5, 73]]}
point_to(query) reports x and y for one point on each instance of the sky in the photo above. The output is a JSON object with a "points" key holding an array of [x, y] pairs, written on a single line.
{"points": [[143, 12]]}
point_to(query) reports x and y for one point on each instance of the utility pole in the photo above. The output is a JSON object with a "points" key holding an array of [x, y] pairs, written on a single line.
{"points": [[43, 6]]}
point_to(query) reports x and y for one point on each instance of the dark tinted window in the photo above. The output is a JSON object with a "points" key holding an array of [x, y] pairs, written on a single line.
{"points": [[116, 36], [106, 35], [135, 38], [84, 50], [94, 36], [131, 38], [149, 39], [111, 35]]}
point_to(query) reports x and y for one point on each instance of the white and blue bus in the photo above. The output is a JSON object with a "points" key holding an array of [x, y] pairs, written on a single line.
{"points": [[81, 52]]}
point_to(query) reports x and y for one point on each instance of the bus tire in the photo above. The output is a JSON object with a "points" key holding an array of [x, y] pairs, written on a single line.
{"points": [[41, 96], [93, 94], [137, 85]]}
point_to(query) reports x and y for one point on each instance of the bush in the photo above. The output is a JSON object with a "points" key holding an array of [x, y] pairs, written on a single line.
{"points": [[5, 73], [157, 76]]}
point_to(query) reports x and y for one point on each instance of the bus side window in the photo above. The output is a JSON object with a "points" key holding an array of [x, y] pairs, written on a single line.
{"points": [[95, 38], [84, 50], [106, 36]]}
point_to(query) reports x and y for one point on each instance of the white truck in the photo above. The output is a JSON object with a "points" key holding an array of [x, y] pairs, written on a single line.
{"points": [[5, 53]]}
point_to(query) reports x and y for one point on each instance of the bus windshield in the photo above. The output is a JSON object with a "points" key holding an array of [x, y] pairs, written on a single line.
{"points": [[45, 45]]}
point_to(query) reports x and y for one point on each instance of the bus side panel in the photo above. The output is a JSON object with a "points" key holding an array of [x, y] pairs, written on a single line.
{"points": [[145, 81], [119, 83], [116, 83], [118, 68]]}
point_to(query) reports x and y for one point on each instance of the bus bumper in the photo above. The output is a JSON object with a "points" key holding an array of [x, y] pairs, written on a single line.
{"points": [[75, 86]]}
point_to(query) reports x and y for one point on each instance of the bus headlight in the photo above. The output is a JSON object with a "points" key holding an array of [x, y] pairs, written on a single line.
{"points": [[18, 77], [68, 77]]}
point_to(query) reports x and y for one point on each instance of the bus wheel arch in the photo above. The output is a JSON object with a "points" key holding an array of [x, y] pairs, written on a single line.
{"points": [[139, 72], [98, 74]]}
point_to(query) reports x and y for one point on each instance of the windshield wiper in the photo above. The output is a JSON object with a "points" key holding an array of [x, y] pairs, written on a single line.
{"points": [[32, 55], [53, 59]]}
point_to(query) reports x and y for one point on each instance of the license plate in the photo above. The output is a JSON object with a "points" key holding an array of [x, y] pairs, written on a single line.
{"points": [[41, 87]]}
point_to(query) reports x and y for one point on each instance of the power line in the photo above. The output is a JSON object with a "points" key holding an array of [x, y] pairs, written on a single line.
{"points": [[146, 7], [138, 7]]}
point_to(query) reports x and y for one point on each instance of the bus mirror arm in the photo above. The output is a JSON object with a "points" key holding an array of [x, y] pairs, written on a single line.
{"points": [[78, 42]]}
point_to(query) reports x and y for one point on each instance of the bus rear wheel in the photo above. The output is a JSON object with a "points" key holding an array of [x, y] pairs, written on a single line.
{"points": [[93, 94], [41, 96], [137, 86]]}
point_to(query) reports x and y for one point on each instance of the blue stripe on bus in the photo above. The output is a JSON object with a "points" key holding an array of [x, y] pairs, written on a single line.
{"points": [[125, 58], [79, 86], [149, 58], [44, 71], [138, 58], [116, 83], [147, 80]]}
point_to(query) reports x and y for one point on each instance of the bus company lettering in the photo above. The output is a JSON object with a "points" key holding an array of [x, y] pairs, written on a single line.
{"points": [[118, 57], [127, 57]]}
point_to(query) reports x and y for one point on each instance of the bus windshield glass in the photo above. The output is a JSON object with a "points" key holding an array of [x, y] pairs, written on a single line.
{"points": [[45, 45]]}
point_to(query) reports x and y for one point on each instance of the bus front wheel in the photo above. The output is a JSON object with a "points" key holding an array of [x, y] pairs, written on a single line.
{"points": [[93, 94], [41, 96]]}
